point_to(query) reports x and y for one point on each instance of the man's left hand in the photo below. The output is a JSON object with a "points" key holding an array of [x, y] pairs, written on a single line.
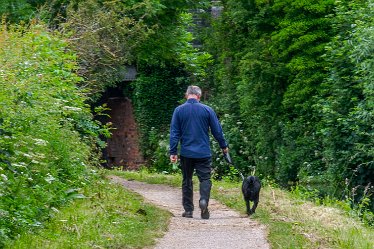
{"points": [[173, 158]]}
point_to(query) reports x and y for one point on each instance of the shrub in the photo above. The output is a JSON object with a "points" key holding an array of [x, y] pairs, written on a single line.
{"points": [[46, 128]]}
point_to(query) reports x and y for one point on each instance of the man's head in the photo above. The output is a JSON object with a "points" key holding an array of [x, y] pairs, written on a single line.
{"points": [[193, 92]]}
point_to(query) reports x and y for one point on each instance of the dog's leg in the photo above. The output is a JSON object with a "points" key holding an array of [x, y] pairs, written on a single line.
{"points": [[249, 212], [255, 203]]}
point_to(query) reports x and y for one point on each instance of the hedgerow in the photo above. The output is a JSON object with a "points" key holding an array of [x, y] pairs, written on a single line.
{"points": [[47, 136]]}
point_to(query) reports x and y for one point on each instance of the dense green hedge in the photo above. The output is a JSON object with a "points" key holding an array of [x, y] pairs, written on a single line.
{"points": [[298, 76], [346, 100], [47, 135]]}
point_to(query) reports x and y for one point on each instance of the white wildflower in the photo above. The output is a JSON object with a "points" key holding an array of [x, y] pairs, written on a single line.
{"points": [[21, 165], [72, 108], [5, 178], [55, 210], [27, 155], [41, 142], [49, 178]]}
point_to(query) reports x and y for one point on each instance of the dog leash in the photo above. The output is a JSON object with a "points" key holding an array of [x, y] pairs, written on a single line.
{"points": [[229, 161]]}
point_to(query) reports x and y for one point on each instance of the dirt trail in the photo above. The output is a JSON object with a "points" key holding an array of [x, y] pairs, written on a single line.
{"points": [[225, 229]]}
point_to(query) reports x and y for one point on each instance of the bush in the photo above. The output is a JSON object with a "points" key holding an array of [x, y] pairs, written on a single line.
{"points": [[47, 133]]}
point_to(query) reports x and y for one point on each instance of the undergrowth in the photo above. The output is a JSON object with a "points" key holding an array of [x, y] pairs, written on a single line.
{"points": [[107, 216], [47, 133]]}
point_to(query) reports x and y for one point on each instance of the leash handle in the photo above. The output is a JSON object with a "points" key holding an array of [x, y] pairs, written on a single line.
{"points": [[229, 161], [227, 158]]}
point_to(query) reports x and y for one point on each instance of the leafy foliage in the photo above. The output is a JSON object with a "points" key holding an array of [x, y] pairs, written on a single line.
{"points": [[155, 96], [346, 106], [14, 11], [296, 76], [106, 45], [22, 11], [47, 132], [264, 59], [110, 35]]}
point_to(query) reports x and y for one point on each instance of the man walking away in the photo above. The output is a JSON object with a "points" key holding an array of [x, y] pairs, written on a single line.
{"points": [[190, 126]]}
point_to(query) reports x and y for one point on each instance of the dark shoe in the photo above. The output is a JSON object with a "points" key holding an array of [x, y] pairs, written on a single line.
{"points": [[187, 214], [204, 209]]}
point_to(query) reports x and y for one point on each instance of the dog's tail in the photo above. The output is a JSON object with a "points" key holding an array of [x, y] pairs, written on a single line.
{"points": [[254, 170], [240, 173]]}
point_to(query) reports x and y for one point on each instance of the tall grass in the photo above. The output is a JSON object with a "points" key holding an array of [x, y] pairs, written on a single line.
{"points": [[107, 217]]}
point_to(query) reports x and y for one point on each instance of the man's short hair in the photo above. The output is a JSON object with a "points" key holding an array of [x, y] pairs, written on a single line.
{"points": [[193, 90]]}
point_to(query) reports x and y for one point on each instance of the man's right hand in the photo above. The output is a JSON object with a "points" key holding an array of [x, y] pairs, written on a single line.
{"points": [[173, 158]]}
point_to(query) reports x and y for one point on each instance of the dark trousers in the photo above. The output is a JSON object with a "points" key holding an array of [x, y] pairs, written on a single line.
{"points": [[203, 171]]}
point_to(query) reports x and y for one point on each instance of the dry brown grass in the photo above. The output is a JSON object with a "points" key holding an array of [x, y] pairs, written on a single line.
{"points": [[325, 227]]}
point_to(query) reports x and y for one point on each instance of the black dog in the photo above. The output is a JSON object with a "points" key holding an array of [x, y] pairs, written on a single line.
{"points": [[251, 191]]}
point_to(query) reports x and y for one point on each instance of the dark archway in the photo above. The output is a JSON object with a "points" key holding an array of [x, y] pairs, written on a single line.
{"points": [[123, 146]]}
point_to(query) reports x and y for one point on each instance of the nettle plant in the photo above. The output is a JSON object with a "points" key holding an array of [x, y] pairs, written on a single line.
{"points": [[46, 130]]}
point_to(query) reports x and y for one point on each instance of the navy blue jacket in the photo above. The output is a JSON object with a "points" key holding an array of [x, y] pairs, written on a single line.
{"points": [[190, 125]]}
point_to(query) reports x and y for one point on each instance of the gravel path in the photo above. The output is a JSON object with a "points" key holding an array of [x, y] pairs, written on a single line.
{"points": [[225, 229]]}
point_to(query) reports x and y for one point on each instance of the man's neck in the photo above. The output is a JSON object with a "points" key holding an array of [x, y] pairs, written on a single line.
{"points": [[193, 96]]}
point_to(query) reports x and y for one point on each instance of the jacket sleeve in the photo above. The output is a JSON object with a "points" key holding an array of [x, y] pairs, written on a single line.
{"points": [[216, 130], [175, 134]]}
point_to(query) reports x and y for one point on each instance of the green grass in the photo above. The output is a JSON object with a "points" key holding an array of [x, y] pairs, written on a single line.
{"points": [[110, 217], [291, 222], [143, 175]]}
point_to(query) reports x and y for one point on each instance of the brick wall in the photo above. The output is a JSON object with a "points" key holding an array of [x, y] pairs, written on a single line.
{"points": [[123, 146]]}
